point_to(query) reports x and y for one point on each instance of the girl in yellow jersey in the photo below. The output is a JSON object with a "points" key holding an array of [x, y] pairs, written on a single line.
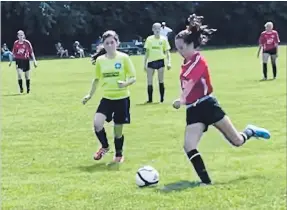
{"points": [[157, 48], [116, 72]]}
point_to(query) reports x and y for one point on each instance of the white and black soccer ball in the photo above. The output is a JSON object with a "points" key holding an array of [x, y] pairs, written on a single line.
{"points": [[147, 176]]}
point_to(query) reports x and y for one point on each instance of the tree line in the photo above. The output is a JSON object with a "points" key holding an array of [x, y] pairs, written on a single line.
{"points": [[45, 23]]}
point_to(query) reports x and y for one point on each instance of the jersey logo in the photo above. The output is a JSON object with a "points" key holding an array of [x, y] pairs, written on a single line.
{"points": [[118, 65]]}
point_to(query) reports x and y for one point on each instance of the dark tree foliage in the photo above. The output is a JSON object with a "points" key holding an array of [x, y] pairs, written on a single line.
{"points": [[46, 23]]}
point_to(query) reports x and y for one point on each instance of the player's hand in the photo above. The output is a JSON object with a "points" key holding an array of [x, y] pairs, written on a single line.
{"points": [[176, 104], [86, 99], [168, 66], [35, 64], [122, 84], [145, 68]]}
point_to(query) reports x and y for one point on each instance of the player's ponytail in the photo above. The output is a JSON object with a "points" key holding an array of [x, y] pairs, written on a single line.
{"points": [[100, 51], [195, 32]]}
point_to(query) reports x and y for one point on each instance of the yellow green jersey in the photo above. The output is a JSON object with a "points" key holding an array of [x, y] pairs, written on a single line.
{"points": [[110, 71], [156, 47]]}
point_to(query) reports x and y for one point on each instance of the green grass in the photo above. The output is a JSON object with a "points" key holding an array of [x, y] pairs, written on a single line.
{"points": [[48, 141]]}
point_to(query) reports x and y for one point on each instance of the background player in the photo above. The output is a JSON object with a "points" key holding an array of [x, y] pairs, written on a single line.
{"points": [[269, 40], [22, 51], [157, 48], [116, 72], [202, 109]]}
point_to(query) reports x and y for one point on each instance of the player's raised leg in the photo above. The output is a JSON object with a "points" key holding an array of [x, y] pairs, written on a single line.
{"points": [[193, 135], [236, 138]]}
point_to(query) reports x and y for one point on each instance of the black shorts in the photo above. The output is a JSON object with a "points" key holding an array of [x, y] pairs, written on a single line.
{"points": [[23, 64], [207, 112], [117, 110], [156, 64], [271, 52]]}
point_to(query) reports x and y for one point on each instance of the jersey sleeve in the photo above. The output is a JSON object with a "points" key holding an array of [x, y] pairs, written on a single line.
{"points": [[98, 70], [129, 67], [166, 46], [196, 69]]}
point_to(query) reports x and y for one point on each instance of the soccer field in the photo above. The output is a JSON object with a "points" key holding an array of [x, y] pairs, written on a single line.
{"points": [[48, 142]]}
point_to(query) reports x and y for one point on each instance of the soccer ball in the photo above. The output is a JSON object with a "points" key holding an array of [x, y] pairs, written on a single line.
{"points": [[147, 176]]}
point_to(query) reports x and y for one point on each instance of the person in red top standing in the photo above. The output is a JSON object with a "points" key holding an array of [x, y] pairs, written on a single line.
{"points": [[269, 41], [202, 109], [22, 52]]}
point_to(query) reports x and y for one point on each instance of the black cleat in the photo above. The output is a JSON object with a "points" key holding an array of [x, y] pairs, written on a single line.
{"points": [[21, 91], [28, 91]]}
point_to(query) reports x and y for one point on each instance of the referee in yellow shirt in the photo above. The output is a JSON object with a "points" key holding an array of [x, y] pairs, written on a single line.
{"points": [[115, 71], [157, 48]]}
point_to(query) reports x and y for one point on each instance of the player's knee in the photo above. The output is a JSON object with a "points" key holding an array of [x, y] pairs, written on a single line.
{"points": [[98, 126]]}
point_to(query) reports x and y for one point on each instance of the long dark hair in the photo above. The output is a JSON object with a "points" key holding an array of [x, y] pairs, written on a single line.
{"points": [[101, 50], [195, 32]]}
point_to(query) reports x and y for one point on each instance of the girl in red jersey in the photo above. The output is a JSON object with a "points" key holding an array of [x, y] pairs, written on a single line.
{"points": [[22, 51], [202, 109], [269, 41]]}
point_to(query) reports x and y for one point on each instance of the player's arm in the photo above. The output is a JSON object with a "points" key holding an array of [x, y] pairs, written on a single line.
{"points": [[146, 46], [277, 41], [261, 42], [95, 83], [13, 53], [167, 52], [193, 74], [130, 72], [31, 51]]}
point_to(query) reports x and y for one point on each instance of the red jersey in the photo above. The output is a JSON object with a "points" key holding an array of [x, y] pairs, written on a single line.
{"points": [[269, 40], [195, 71], [22, 50]]}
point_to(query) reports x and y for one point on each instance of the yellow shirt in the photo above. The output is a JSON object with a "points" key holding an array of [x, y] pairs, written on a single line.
{"points": [[156, 47], [110, 71]]}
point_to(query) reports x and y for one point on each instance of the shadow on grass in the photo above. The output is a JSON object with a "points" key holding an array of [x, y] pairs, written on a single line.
{"points": [[184, 184], [100, 167], [147, 104], [17, 94], [178, 186], [266, 80]]}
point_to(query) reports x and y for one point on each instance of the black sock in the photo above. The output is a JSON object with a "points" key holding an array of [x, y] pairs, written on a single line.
{"points": [[119, 142], [265, 70], [28, 84], [20, 82], [149, 91], [102, 136], [198, 164], [274, 68], [161, 91]]}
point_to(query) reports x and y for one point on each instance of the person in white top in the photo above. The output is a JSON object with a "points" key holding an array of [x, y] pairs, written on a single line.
{"points": [[164, 30]]}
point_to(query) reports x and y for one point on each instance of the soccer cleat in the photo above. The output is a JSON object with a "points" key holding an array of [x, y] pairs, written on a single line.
{"points": [[21, 90], [28, 91], [118, 159], [99, 154], [259, 132]]}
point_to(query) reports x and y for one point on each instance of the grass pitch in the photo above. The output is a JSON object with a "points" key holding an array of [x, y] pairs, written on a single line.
{"points": [[48, 141]]}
